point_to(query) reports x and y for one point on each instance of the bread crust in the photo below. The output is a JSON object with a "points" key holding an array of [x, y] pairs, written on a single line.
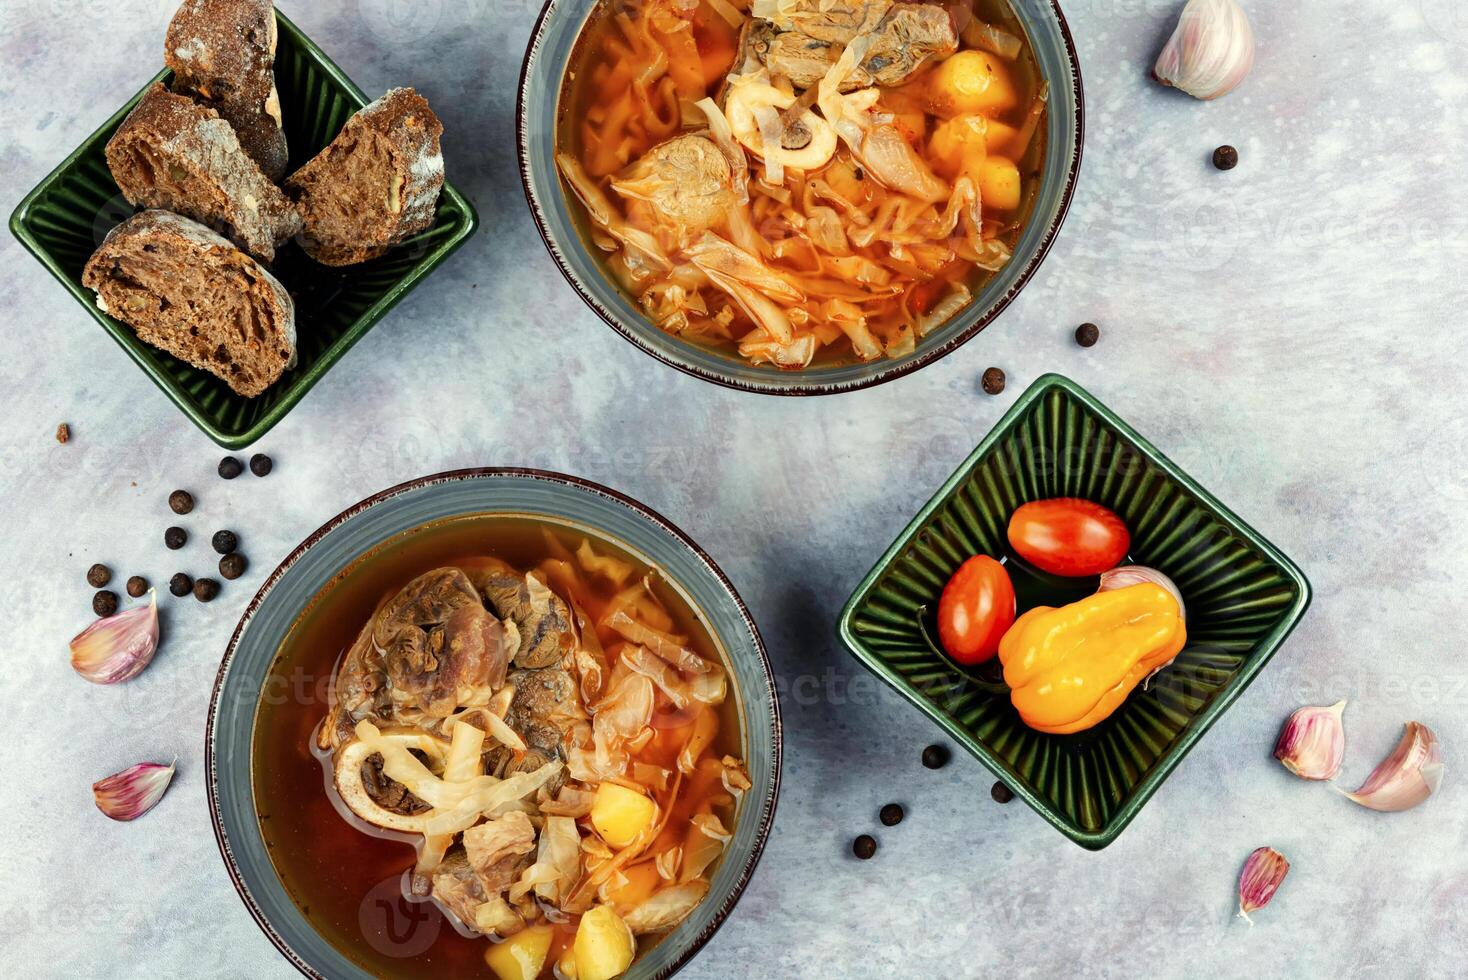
{"points": [[222, 53], [377, 183], [186, 290], [174, 154]]}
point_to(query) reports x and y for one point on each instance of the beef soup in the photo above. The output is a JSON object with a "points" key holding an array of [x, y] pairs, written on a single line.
{"points": [[501, 747], [802, 181]]}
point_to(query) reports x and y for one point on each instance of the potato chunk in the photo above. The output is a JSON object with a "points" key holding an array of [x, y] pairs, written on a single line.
{"points": [[999, 184], [959, 145], [522, 956], [604, 945], [971, 82], [620, 814]]}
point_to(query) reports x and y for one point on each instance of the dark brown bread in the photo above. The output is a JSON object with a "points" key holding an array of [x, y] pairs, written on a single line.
{"points": [[376, 184], [222, 53], [173, 154], [186, 290]]}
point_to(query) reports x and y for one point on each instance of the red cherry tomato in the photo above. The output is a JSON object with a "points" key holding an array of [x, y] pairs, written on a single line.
{"points": [[975, 610], [1069, 536]]}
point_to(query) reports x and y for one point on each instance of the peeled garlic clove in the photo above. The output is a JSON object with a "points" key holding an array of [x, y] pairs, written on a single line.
{"points": [[133, 792], [1411, 774], [1312, 742], [1125, 575], [117, 648], [1263, 872], [1210, 52]]}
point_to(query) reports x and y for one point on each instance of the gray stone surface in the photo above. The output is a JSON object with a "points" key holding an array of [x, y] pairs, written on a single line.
{"points": [[1289, 332]]}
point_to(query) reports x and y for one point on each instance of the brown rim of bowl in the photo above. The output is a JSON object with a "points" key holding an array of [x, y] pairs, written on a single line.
{"points": [[766, 818], [1072, 173]]}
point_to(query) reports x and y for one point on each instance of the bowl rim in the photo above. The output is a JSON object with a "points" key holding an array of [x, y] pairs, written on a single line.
{"points": [[764, 387], [767, 813], [146, 358], [1269, 643]]}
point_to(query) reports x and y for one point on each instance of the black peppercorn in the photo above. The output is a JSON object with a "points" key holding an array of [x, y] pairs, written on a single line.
{"points": [[180, 585], [181, 502], [1225, 157], [891, 814], [993, 381], [175, 538], [232, 565], [864, 846], [1087, 334], [104, 603], [225, 541], [98, 575], [136, 586], [261, 465], [205, 589], [1001, 793], [229, 468], [935, 756]]}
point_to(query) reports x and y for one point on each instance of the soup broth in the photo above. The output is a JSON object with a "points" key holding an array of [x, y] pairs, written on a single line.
{"points": [[352, 880], [918, 146]]}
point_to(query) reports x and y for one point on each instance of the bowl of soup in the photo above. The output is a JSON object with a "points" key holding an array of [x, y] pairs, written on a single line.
{"points": [[799, 196], [494, 723]]}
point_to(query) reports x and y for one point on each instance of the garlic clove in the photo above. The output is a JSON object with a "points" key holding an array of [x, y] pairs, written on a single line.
{"points": [[131, 793], [1410, 774], [1312, 742], [117, 648], [1263, 873], [1125, 575], [1210, 52]]}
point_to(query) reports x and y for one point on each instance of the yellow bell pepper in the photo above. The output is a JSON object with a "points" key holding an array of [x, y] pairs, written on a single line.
{"points": [[1069, 668]]}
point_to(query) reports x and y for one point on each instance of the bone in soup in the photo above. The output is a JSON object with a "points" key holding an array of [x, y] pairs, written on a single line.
{"points": [[527, 760], [795, 181]]}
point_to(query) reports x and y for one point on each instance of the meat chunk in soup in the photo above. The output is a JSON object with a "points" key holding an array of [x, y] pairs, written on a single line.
{"points": [[687, 183], [545, 706], [900, 38], [497, 850], [541, 617], [439, 645], [457, 887]]}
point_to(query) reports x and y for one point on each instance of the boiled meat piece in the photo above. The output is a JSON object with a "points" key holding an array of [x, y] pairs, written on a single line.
{"points": [[541, 617], [457, 887], [440, 646], [685, 181], [497, 848], [900, 37], [545, 706]]}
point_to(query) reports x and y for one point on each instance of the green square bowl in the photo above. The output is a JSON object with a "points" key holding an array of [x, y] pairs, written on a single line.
{"points": [[65, 218], [1243, 597]]}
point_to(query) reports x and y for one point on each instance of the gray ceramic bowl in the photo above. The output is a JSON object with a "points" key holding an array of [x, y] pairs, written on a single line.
{"points": [[388, 514], [546, 59]]}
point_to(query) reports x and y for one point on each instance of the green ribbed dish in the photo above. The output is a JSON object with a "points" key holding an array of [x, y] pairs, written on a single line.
{"points": [[67, 215], [1243, 598]]}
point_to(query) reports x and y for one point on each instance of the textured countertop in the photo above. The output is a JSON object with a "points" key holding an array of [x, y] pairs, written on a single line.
{"points": [[1290, 333]]}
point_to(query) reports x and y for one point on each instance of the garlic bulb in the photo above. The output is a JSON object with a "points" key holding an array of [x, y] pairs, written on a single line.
{"points": [[117, 648], [1411, 774], [1263, 873], [1210, 52], [131, 793], [1125, 575], [1312, 742]]}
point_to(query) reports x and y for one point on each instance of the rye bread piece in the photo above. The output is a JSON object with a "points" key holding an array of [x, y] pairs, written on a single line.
{"points": [[188, 291], [174, 154], [376, 184], [222, 53]]}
